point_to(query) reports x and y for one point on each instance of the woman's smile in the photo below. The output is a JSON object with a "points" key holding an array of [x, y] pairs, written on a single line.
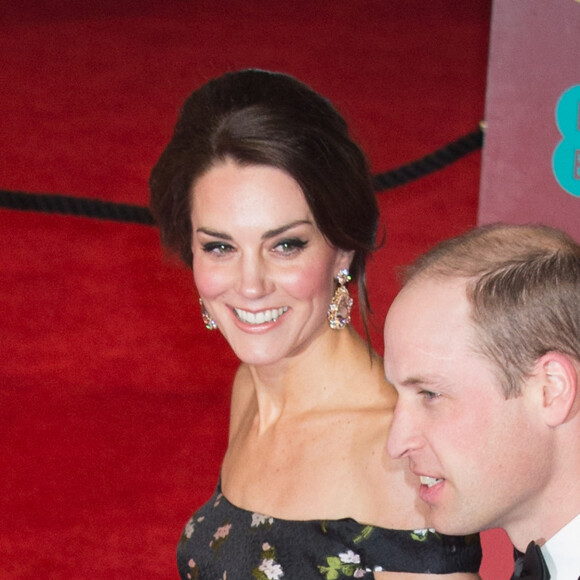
{"points": [[260, 317]]}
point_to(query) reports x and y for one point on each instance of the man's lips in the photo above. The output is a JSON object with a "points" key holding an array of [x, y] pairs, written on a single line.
{"points": [[429, 481], [431, 489]]}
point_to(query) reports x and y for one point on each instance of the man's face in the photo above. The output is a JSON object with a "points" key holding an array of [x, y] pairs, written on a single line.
{"points": [[480, 457]]}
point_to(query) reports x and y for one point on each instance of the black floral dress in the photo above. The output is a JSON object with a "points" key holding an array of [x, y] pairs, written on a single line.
{"points": [[224, 542]]}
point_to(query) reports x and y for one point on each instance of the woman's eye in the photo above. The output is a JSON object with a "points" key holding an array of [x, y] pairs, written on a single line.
{"points": [[217, 248], [290, 246]]}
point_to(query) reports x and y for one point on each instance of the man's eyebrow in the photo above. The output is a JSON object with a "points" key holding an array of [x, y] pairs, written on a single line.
{"points": [[419, 382], [412, 381]]}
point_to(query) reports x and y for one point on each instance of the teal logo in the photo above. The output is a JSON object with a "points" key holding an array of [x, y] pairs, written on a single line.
{"points": [[566, 158]]}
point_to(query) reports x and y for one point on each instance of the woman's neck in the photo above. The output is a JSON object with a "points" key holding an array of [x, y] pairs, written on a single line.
{"points": [[319, 378]]}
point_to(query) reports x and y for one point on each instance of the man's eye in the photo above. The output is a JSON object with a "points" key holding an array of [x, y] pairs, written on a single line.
{"points": [[429, 395]]}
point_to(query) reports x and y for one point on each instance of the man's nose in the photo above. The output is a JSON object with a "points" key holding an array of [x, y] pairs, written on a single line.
{"points": [[404, 436]]}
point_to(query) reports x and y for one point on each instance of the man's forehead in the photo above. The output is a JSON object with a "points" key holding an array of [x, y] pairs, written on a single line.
{"points": [[428, 332], [431, 282], [428, 313]]}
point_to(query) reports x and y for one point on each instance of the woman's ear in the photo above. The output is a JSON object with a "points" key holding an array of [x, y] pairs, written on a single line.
{"points": [[344, 259], [558, 376]]}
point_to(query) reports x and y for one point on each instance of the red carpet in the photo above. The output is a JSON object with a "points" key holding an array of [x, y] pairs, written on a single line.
{"points": [[113, 397]]}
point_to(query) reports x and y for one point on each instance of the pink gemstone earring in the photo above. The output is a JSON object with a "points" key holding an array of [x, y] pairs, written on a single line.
{"points": [[341, 303], [209, 322]]}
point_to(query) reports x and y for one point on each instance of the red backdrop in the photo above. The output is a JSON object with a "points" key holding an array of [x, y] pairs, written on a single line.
{"points": [[113, 397]]}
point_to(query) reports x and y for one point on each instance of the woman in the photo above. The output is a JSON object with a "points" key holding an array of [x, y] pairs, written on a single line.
{"points": [[262, 191]]}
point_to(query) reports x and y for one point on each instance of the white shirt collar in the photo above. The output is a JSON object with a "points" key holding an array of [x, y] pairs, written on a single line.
{"points": [[562, 553]]}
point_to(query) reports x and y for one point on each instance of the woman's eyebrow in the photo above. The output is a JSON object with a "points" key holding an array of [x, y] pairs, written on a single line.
{"points": [[267, 235], [214, 233], [276, 232]]}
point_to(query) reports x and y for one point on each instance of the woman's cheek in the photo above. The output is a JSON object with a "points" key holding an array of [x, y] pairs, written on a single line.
{"points": [[210, 282], [308, 283]]}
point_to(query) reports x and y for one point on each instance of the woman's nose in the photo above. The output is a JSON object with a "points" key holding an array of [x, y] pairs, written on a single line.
{"points": [[253, 277]]}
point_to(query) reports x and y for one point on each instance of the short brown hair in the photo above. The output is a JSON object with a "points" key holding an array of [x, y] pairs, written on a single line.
{"points": [[523, 283]]}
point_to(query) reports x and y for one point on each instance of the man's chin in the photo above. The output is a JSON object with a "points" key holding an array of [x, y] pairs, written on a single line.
{"points": [[448, 524]]}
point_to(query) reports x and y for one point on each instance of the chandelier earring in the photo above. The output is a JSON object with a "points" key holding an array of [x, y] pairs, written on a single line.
{"points": [[209, 322], [341, 303]]}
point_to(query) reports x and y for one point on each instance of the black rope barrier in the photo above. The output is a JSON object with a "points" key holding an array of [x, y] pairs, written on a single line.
{"points": [[124, 212], [77, 206], [430, 163]]}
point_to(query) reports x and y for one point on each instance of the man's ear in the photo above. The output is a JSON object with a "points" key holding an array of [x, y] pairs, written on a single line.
{"points": [[559, 379]]}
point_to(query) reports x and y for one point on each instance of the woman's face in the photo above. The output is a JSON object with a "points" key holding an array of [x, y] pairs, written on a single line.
{"points": [[261, 265]]}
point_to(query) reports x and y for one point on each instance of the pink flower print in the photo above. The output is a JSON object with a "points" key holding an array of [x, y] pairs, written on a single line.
{"points": [[220, 536], [222, 531], [193, 573]]}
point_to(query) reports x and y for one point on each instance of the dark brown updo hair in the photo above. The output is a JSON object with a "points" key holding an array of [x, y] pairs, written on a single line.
{"points": [[257, 117]]}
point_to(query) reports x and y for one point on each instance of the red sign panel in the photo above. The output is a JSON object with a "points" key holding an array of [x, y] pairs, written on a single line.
{"points": [[531, 153]]}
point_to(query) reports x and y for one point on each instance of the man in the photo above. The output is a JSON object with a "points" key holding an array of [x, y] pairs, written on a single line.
{"points": [[483, 347]]}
